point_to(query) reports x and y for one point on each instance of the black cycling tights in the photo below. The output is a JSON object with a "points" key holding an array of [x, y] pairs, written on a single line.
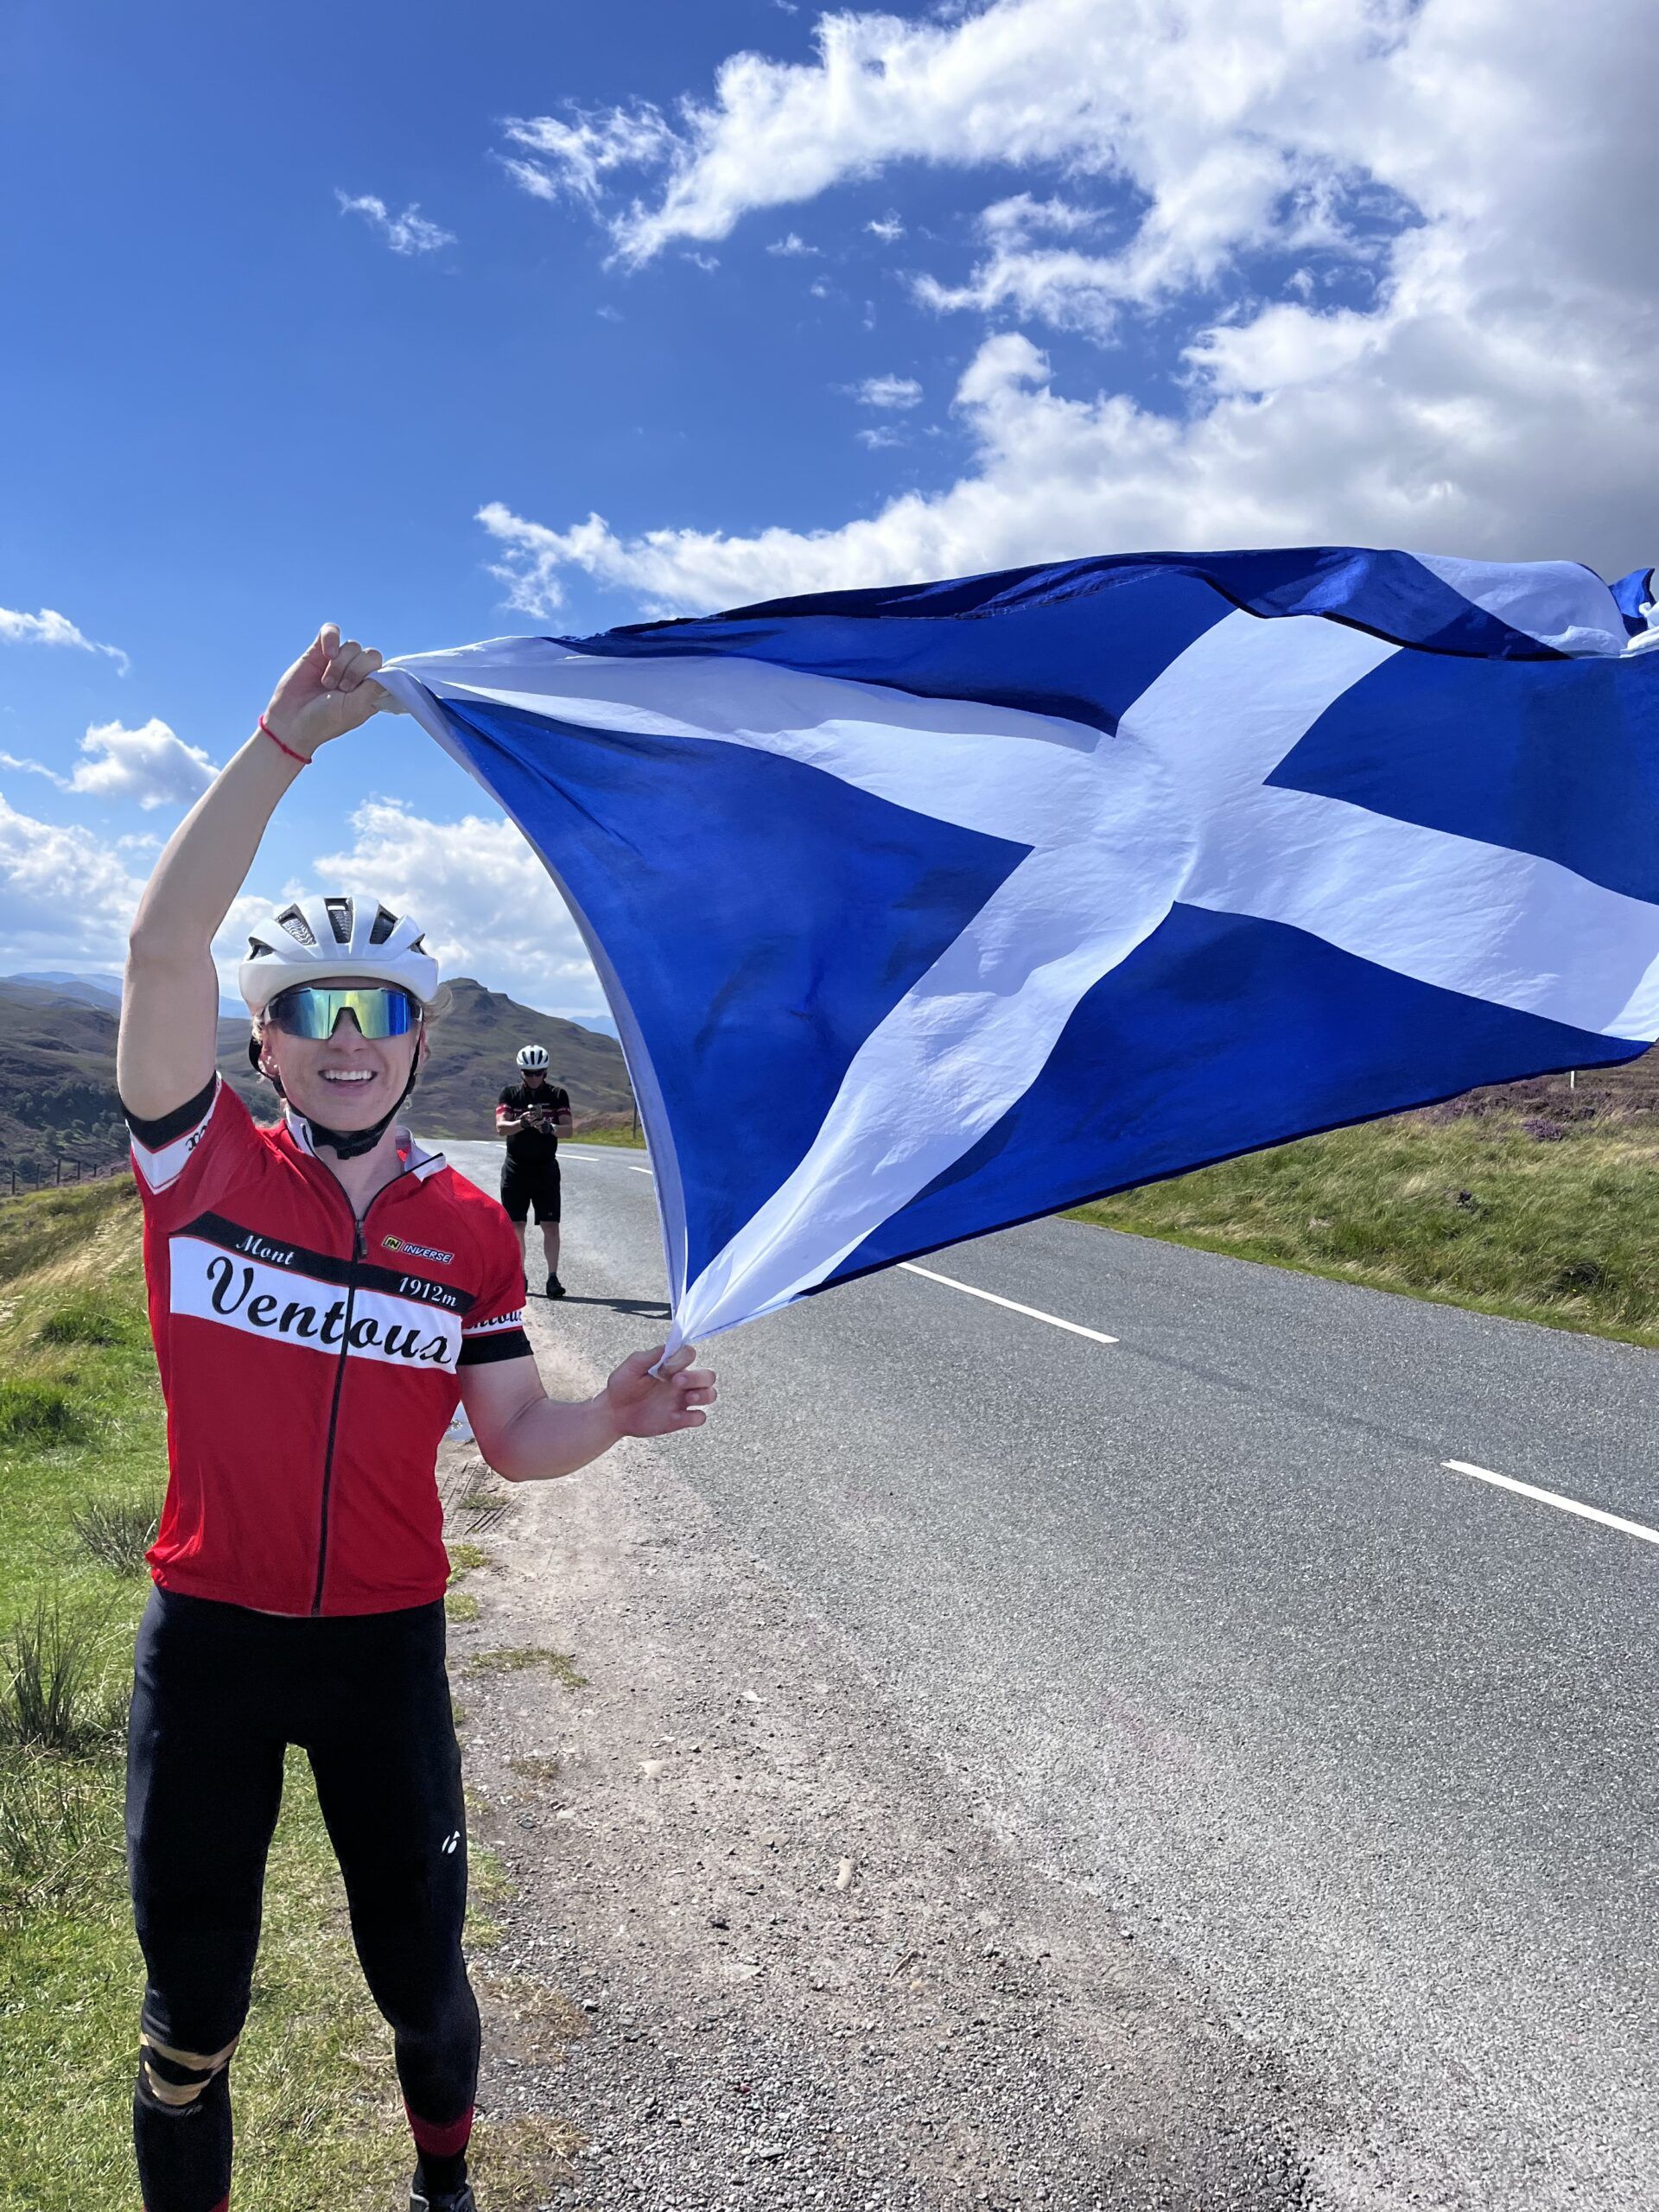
{"points": [[219, 1692]]}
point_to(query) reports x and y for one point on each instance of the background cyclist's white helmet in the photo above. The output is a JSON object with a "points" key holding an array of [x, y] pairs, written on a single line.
{"points": [[322, 940], [532, 1056]]}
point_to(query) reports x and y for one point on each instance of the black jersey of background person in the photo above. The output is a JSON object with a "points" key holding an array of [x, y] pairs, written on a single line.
{"points": [[531, 1145]]}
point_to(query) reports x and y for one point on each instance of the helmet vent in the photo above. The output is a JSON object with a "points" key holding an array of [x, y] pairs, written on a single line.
{"points": [[340, 919], [295, 923], [385, 923]]}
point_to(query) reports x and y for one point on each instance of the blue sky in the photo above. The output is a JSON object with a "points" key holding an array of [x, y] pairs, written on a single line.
{"points": [[912, 294]]}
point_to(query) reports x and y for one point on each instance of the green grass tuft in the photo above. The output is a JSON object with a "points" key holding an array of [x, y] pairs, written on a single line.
{"points": [[33, 1410], [56, 1692], [59, 1833], [92, 1318], [118, 1532]]}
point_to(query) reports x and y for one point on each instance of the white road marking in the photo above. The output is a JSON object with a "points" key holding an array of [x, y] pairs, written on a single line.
{"points": [[632, 1170], [1553, 1498], [1032, 1313]]}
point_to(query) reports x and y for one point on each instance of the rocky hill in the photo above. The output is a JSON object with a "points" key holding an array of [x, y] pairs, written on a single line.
{"points": [[57, 1070], [57, 1080]]}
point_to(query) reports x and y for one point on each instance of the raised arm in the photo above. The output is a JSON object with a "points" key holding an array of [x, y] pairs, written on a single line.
{"points": [[170, 1004]]}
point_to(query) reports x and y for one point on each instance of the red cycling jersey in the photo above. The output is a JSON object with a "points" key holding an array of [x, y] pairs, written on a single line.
{"points": [[309, 1361]]}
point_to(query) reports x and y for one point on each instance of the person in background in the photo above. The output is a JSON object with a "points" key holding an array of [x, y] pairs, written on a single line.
{"points": [[533, 1115]]}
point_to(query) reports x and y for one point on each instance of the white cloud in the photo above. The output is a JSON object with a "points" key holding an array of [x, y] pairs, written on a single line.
{"points": [[33, 768], [885, 433], [1484, 387], [574, 156], [887, 228], [149, 764], [64, 895], [791, 244], [478, 892], [1019, 218], [1197, 106], [887, 391], [409, 232], [67, 898], [1061, 285], [50, 628]]}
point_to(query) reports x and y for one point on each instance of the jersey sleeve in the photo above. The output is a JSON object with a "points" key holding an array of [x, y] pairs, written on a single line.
{"points": [[561, 1102], [183, 1162], [494, 1328]]}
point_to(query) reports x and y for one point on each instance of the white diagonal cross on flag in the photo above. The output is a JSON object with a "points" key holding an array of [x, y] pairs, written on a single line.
{"points": [[1175, 806]]}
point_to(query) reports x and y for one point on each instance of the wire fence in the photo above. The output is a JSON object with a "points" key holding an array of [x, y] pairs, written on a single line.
{"points": [[18, 1176]]}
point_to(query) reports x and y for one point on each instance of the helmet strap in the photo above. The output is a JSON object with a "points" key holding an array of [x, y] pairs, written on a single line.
{"points": [[344, 1144], [351, 1144]]}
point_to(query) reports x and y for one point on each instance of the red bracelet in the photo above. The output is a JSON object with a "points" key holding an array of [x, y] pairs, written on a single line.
{"points": [[304, 759]]}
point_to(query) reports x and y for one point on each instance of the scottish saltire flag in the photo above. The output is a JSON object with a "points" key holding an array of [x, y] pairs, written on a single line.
{"points": [[925, 911]]}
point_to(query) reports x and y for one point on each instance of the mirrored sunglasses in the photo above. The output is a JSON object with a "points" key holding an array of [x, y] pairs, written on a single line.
{"points": [[313, 1009]]}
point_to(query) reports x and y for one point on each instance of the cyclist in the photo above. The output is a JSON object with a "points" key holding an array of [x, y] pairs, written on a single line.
{"points": [[321, 1294], [533, 1115]]}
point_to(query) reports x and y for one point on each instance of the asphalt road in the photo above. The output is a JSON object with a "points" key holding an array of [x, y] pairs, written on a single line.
{"points": [[1363, 1744]]}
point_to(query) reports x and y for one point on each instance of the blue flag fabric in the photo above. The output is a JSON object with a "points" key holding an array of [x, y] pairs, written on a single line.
{"points": [[925, 910]]}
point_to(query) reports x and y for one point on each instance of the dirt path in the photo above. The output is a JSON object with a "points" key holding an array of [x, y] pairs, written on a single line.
{"points": [[761, 1950]]}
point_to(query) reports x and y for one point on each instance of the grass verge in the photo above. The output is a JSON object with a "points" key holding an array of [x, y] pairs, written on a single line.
{"points": [[616, 1129], [319, 2120], [1535, 1218]]}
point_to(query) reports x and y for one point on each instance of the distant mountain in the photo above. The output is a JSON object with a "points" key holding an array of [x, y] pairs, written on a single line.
{"points": [[105, 991], [57, 1070], [88, 990], [52, 987]]}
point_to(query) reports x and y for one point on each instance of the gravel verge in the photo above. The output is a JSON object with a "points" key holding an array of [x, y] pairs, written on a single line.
{"points": [[760, 1949]]}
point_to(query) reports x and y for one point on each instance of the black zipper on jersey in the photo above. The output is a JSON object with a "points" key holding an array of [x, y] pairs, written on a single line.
{"points": [[359, 1250]]}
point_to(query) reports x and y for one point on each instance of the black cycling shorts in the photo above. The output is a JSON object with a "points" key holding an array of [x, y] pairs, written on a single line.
{"points": [[218, 1694], [525, 1183]]}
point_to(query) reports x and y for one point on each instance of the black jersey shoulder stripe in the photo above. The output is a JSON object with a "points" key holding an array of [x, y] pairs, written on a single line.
{"points": [[323, 1267], [504, 1344], [164, 1130]]}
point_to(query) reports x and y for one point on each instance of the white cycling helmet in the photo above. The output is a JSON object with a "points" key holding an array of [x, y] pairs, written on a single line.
{"points": [[321, 940], [532, 1056]]}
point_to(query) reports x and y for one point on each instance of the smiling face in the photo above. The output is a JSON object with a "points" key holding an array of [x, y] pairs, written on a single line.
{"points": [[347, 1081]]}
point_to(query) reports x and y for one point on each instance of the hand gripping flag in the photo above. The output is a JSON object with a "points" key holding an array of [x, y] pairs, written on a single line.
{"points": [[925, 911]]}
